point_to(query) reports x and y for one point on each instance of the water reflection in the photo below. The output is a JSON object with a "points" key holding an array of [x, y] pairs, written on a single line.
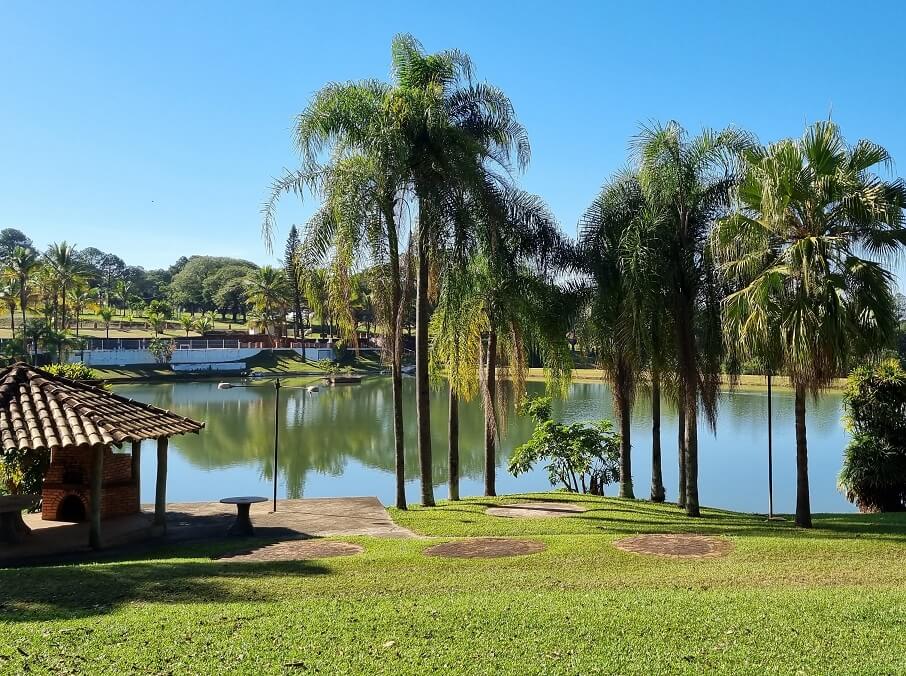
{"points": [[340, 442]]}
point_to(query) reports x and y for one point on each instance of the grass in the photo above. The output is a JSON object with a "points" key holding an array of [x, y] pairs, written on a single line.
{"points": [[784, 601]]}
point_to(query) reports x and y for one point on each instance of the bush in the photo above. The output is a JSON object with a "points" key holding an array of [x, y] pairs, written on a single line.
{"points": [[75, 371], [874, 463], [582, 457], [162, 350]]}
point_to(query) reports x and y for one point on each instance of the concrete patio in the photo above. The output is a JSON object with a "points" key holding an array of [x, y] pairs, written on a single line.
{"points": [[63, 542]]}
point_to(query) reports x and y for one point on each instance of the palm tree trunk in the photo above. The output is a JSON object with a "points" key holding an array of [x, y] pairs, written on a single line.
{"points": [[453, 433], [681, 449], [396, 302], [691, 453], [624, 413], [12, 320], [657, 478], [803, 506], [422, 402], [490, 422]]}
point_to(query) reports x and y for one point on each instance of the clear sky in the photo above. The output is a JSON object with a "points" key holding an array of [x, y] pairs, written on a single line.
{"points": [[152, 130]]}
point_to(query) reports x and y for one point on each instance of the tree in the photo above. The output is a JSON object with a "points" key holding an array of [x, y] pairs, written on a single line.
{"points": [[267, 292], [689, 181], [612, 317], [66, 269], [22, 264], [583, 458], [874, 464], [9, 296], [793, 247], [106, 315], [436, 127], [291, 269], [187, 322], [10, 239]]}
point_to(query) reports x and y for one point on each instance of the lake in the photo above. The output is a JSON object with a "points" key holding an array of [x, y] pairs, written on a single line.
{"points": [[339, 442]]}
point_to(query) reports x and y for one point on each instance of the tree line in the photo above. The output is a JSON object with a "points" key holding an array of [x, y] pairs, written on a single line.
{"points": [[709, 252]]}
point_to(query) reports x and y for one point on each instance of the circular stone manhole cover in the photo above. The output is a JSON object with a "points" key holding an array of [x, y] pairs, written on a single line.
{"points": [[485, 548], [676, 546], [535, 510], [296, 550]]}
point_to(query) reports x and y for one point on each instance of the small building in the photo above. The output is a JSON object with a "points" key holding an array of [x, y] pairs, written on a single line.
{"points": [[79, 425]]}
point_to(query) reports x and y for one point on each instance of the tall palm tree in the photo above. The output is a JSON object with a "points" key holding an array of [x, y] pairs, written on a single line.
{"points": [[689, 182], [808, 212], [607, 230], [268, 291], [22, 265], [67, 269], [496, 301]]}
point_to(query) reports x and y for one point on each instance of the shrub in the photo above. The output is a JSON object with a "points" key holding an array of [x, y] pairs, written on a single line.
{"points": [[581, 457], [161, 349], [874, 463], [74, 371]]}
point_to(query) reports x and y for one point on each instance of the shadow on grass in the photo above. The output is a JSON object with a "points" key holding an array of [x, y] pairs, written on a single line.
{"points": [[72, 592]]}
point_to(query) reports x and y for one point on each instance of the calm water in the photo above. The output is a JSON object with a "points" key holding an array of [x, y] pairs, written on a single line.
{"points": [[340, 442]]}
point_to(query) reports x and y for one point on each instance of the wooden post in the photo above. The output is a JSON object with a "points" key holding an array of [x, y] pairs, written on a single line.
{"points": [[97, 481], [137, 473], [160, 498]]}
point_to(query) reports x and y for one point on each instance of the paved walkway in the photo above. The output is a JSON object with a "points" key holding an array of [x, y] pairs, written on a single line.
{"points": [[59, 542]]}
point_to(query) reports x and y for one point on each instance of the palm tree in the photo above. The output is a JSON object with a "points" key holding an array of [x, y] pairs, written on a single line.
{"points": [[9, 295], [607, 230], [689, 182], [268, 291], [22, 265], [106, 315], [66, 269], [81, 298], [187, 322], [435, 127], [808, 210]]}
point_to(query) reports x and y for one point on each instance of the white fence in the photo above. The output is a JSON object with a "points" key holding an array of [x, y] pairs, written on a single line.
{"points": [[188, 359]]}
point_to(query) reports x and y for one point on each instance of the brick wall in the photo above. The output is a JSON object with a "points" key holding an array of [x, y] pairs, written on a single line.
{"points": [[70, 474]]}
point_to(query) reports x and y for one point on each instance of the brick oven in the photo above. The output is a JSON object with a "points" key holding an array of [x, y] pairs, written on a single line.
{"points": [[66, 495]]}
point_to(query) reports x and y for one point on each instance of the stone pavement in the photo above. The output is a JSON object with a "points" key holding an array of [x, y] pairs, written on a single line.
{"points": [[59, 542]]}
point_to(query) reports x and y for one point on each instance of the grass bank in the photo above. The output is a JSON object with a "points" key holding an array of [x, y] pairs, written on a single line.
{"points": [[784, 600], [743, 382]]}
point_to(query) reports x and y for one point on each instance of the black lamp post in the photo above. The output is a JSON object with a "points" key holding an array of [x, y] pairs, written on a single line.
{"points": [[277, 387]]}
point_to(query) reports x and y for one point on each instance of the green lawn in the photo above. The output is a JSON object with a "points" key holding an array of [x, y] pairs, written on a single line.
{"points": [[783, 601]]}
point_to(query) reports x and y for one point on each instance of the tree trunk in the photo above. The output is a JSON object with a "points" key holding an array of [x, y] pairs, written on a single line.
{"points": [[490, 420], [453, 433], [422, 401], [624, 413], [803, 506], [657, 478], [688, 373], [692, 508], [681, 450], [396, 338]]}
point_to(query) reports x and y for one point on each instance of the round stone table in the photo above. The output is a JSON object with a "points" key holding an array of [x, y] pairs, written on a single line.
{"points": [[243, 524]]}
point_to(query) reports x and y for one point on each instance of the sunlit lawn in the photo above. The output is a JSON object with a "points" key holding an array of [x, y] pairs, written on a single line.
{"points": [[830, 600]]}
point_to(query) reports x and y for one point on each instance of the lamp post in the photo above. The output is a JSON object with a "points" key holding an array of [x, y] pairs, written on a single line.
{"points": [[277, 387]]}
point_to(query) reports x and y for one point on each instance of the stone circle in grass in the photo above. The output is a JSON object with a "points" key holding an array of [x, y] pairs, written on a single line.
{"points": [[535, 510], [485, 548], [296, 550], [676, 546]]}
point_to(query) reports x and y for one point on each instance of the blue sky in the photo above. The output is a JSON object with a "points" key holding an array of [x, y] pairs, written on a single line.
{"points": [[153, 129]]}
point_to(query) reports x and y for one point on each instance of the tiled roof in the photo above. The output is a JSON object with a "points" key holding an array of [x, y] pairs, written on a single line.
{"points": [[42, 411]]}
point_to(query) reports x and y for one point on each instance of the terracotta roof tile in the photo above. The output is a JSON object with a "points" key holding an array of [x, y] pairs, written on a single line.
{"points": [[41, 411]]}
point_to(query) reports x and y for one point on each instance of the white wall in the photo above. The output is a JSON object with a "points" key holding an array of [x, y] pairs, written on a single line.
{"points": [[134, 357]]}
